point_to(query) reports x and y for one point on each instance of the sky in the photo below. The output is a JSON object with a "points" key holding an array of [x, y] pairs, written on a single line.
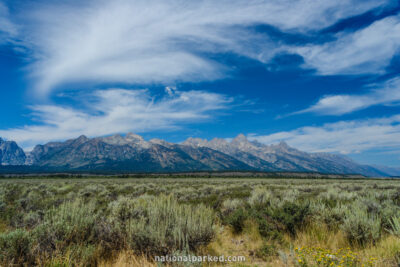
{"points": [[321, 75]]}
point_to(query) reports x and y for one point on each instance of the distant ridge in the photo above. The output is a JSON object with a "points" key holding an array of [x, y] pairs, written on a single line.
{"points": [[131, 153]]}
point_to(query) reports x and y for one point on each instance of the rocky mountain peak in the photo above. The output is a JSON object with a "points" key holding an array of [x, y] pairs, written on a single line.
{"points": [[115, 139], [82, 139], [241, 138], [75, 142], [136, 140], [283, 147], [195, 142], [283, 144], [11, 153], [242, 143], [133, 137]]}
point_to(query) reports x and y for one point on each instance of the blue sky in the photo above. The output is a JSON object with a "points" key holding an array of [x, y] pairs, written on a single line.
{"points": [[324, 76]]}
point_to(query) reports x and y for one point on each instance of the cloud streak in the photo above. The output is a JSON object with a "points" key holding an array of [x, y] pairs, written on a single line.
{"points": [[118, 111], [8, 29], [387, 93], [368, 50], [343, 137]]}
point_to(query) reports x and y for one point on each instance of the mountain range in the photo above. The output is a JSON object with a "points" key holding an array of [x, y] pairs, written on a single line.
{"points": [[131, 153]]}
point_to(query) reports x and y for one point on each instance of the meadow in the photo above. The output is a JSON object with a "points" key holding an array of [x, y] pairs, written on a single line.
{"points": [[271, 222]]}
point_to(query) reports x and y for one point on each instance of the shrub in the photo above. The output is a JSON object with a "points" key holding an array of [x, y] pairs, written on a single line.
{"points": [[15, 248], [236, 219], [332, 217], [360, 227], [396, 197], [230, 205], [70, 223], [266, 225], [290, 196], [125, 209], [82, 255], [371, 205], [31, 219], [395, 226], [292, 215], [387, 212], [110, 235], [260, 197], [266, 251], [167, 226]]}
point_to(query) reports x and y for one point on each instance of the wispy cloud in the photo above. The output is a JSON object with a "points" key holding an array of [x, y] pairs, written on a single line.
{"points": [[157, 41], [387, 93], [118, 111], [343, 137], [8, 29], [368, 50]]}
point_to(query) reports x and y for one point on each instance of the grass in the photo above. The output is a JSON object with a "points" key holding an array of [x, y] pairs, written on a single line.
{"points": [[272, 222]]}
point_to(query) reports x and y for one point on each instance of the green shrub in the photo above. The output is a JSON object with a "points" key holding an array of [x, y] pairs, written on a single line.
{"points": [[387, 212], [332, 217], [292, 215], [31, 219], [268, 229], [395, 226], [166, 226], [236, 219], [396, 197], [361, 227], [15, 248], [111, 235], [82, 255], [260, 197], [266, 251], [230, 205], [70, 223], [125, 209]]}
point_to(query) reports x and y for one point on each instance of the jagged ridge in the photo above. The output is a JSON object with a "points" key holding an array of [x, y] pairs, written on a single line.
{"points": [[132, 153]]}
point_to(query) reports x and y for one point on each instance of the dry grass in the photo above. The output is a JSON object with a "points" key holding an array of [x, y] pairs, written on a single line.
{"points": [[318, 235], [243, 244], [384, 251], [315, 235], [128, 259]]}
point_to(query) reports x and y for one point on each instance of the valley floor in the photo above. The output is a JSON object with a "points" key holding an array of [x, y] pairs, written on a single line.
{"points": [[128, 222]]}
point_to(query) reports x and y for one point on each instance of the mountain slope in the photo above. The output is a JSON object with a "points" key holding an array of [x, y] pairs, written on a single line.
{"points": [[391, 171], [11, 153]]}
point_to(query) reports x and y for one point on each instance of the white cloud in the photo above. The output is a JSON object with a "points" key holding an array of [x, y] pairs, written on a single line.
{"points": [[343, 137], [8, 29], [157, 41], [387, 93], [117, 111], [368, 50]]}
